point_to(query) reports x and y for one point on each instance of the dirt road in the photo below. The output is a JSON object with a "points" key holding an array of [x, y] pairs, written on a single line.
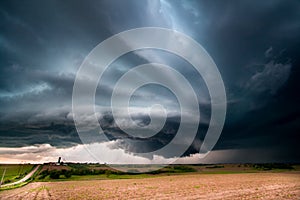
{"points": [[28, 176], [196, 186]]}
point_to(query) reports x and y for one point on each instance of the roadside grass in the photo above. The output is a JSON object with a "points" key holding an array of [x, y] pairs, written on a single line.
{"points": [[14, 186], [14, 172], [31, 167]]}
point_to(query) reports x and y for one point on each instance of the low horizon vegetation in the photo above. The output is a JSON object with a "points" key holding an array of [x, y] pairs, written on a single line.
{"points": [[79, 171]]}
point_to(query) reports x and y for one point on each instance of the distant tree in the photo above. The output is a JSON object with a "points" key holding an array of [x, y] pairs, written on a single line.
{"points": [[66, 173], [54, 174], [107, 173]]}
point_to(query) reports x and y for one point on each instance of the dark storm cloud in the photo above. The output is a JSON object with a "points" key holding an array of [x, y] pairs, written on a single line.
{"points": [[62, 134], [256, 48], [254, 44]]}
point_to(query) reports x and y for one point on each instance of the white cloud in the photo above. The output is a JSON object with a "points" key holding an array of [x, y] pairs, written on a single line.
{"points": [[79, 153], [30, 90], [191, 7], [47, 153]]}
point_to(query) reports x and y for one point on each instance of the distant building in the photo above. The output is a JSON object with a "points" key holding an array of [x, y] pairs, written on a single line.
{"points": [[59, 161]]}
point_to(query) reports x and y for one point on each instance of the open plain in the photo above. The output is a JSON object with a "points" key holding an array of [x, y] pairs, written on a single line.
{"points": [[268, 185]]}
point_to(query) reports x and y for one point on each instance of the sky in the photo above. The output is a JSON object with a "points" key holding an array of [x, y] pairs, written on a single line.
{"points": [[255, 45]]}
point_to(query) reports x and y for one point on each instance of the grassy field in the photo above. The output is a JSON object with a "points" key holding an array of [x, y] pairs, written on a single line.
{"points": [[14, 172], [74, 171], [77, 171]]}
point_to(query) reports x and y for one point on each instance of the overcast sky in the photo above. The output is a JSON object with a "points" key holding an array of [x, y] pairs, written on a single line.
{"points": [[255, 45]]}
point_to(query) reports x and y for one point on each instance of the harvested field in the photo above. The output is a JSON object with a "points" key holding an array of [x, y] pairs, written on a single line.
{"points": [[193, 186]]}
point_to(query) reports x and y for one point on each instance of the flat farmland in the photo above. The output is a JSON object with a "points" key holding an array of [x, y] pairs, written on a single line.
{"points": [[274, 185]]}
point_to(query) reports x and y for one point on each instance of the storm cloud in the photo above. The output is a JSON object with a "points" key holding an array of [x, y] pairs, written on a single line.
{"points": [[254, 44]]}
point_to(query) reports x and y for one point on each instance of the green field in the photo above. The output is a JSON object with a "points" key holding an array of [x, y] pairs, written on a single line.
{"points": [[14, 172], [77, 171]]}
